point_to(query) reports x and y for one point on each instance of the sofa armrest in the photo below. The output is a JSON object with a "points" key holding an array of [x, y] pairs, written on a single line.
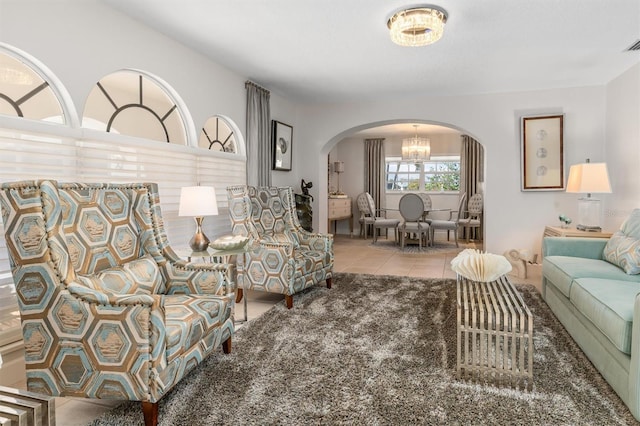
{"points": [[633, 401], [590, 248]]}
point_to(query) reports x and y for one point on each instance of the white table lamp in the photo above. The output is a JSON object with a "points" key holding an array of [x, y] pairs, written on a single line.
{"points": [[198, 201], [589, 178]]}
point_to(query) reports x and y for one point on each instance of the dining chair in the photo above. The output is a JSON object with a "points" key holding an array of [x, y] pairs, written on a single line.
{"points": [[377, 218], [452, 224], [473, 221], [428, 205], [411, 208]]}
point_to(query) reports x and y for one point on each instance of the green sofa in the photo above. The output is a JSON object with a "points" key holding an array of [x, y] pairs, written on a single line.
{"points": [[597, 302]]}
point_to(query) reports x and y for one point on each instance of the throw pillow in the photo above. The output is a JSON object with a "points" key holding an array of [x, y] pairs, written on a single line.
{"points": [[140, 276], [624, 252]]}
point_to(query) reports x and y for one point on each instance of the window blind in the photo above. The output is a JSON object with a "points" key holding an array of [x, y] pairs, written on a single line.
{"points": [[80, 155]]}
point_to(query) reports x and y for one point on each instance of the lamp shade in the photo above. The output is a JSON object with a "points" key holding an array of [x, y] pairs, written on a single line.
{"points": [[338, 166], [198, 201], [590, 178]]}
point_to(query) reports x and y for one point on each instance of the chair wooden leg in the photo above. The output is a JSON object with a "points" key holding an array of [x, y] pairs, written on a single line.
{"points": [[328, 282], [150, 411], [239, 294], [226, 346], [288, 300]]}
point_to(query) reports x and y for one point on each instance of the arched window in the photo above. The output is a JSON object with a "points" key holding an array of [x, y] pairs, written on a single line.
{"points": [[218, 135], [29, 90], [135, 103]]}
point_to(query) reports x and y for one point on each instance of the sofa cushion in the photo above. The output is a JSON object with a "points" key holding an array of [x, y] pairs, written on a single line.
{"points": [[631, 226], [190, 319], [140, 276], [608, 304], [623, 251], [562, 270]]}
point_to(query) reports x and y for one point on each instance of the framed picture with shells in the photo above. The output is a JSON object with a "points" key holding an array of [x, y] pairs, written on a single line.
{"points": [[542, 153], [282, 139]]}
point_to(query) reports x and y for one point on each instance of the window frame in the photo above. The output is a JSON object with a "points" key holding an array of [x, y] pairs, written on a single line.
{"points": [[422, 172]]}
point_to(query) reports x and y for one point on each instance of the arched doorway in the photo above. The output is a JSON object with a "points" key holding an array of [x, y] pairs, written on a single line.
{"points": [[445, 176]]}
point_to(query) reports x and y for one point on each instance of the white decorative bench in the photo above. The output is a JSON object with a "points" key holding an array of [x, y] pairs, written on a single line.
{"points": [[495, 333]]}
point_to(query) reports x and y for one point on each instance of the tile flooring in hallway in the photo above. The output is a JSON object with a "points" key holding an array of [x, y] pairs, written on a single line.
{"points": [[352, 255]]}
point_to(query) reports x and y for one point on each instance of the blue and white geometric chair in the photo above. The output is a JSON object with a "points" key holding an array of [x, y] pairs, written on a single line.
{"points": [[108, 309]]}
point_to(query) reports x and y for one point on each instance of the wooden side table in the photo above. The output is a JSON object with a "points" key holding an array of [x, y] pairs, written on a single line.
{"points": [[557, 231], [339, 209]]}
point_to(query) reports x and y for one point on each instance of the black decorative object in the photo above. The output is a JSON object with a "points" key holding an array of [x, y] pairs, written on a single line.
{"points": [[305, 211], [305, 188]]}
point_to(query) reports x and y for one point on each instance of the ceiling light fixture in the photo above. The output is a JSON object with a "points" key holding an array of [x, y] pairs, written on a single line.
{"points": [[416, 149], [417, 26]]}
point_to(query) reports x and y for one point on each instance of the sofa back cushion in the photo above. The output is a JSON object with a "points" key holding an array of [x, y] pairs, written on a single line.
{"points": [[623, 248], [140, 276]]}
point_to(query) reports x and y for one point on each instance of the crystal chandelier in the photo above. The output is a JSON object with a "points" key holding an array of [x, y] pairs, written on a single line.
{"points": [[416, 149], [418, 26]]}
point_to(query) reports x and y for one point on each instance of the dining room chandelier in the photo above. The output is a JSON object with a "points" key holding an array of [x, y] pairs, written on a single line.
{"points": [[416, 149], [417, 26]]}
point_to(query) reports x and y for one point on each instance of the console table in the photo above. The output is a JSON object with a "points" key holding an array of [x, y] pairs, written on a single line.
{"points": [[340, 209]]}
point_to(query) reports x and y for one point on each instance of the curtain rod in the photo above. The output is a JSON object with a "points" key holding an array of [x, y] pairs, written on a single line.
{"points": [[251, 83]]}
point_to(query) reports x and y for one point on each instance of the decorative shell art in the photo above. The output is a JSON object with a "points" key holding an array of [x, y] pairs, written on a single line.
{"points": [[229, 242], [478, 266]]}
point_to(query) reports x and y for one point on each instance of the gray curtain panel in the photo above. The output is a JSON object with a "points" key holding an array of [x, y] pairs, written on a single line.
{"points": [[259, 149], [374, 169], [471, 166]]}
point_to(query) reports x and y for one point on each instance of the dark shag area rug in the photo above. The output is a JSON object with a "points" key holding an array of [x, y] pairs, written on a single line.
{"points": [[379, 350]]}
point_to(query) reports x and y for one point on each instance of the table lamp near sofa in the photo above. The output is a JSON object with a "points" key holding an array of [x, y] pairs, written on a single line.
{"points": [[198, 201], [589, 178]]}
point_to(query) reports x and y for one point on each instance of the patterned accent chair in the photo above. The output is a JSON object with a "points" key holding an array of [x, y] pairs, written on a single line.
{"points": [[282, 257], [108, 309]]}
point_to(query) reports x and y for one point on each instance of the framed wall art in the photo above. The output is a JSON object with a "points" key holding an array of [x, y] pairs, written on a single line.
{"points": [[282, 137], [542, 153]]}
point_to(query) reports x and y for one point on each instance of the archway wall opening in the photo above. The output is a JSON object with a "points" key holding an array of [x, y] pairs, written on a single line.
{"points": [[514, 219], [439, 176]]}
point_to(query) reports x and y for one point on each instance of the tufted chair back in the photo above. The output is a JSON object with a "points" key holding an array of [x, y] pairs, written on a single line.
{"points": [[283, 257]]}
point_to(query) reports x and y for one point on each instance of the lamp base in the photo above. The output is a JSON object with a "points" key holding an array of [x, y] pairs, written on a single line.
{"points": [[589, 214], [199, 242]]}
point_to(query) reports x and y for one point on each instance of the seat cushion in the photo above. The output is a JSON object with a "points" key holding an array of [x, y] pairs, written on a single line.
{"points": [[190, 318], [310, 261], [386, 223], [608, 304], [443, 224], [561, 271], [140, 276], [623, 251]]}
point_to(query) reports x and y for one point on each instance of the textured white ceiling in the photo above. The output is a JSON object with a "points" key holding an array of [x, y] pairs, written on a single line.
{"points": [[339, 50]]}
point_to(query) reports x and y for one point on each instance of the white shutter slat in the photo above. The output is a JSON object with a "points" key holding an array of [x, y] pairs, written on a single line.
{"points": [[70, 155]]}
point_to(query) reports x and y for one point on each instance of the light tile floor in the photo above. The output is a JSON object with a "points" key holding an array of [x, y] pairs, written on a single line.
{"points": [[353, 255]]}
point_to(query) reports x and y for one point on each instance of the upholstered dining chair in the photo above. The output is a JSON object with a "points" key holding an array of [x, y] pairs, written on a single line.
{"points": [[282, 256], [452, 224], [376, 218], [428, 204], [473, 219], [108, 309], [411, 209]]}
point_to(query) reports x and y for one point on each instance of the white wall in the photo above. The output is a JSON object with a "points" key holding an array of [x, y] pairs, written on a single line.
{"points": [[513, 218], [623, 146]]}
